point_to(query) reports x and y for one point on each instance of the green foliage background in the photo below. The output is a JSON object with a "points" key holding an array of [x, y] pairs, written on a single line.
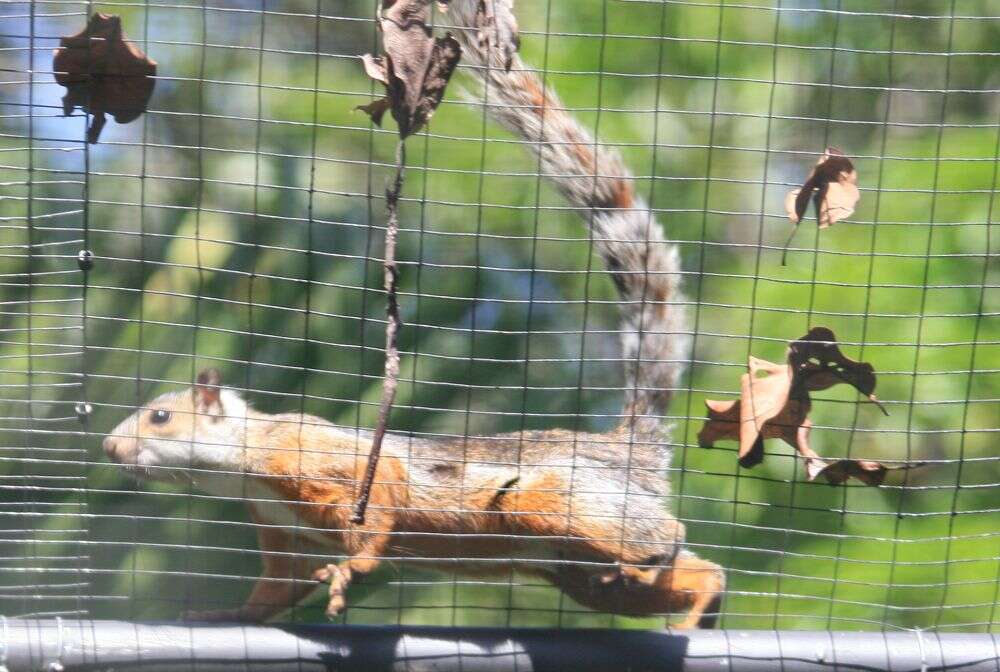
{"points": [[237, 224]]}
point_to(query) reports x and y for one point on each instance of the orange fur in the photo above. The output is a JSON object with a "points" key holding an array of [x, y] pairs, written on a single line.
{"points": [[536, 97]]}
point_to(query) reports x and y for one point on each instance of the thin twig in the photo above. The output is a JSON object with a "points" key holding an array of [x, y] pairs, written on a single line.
{"points": [[784, 251], [392, 327]]}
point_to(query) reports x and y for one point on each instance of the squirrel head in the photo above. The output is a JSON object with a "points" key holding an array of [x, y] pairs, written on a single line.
{"points": [[203, 426]]}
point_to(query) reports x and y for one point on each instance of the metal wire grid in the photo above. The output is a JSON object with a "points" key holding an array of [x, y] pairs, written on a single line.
{"points": [[237, 223]]}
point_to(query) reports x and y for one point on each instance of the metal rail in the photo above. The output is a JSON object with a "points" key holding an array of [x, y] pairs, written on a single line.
{"points": [[68, 645]]}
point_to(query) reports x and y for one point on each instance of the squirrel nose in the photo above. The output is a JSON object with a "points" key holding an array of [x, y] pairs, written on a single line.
{"points": [[109, 445]]}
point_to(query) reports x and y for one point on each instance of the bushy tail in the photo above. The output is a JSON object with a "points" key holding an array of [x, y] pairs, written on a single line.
{"points": [[644, 266]]}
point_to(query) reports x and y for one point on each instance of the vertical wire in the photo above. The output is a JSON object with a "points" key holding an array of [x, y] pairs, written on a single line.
{"points": [[415, 348], [473, 301], [30, 219], [986, 264], [532, 274], [255, 253], [310, 279], [910, 405], [826, 143], [414, 354], [811, 306], [199, 203], [400, 153], [758, 248], [359, 451], [84, 495], [980, 306], [865, 319], [702, 251], [588, 274], [140, 331]]}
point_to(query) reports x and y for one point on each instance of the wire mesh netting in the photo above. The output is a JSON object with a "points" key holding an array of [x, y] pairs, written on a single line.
{"points": [[239, 224]]}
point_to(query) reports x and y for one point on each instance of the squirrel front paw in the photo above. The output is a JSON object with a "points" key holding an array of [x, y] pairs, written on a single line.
{"points": [[339, 578]]}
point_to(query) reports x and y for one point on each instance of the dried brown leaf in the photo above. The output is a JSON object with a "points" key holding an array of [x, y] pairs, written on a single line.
{"points": [[832, 185], [416, 67], [375, 68], [375, 109], [762, 400], [868, 472], [774, 403], [723, 422], [444, 59], [103, 73], [819, 364], [765, 410]]}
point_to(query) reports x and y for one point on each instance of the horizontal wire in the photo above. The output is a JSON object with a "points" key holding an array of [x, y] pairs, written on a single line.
{"points": [[312, 15]]}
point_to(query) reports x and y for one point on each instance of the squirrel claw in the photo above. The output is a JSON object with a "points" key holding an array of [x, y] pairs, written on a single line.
{"points": [[607, 577], [339, 578], [626, 575]]}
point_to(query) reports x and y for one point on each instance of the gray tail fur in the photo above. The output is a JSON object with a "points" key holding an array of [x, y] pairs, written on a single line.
{"points": [[645, 267]]}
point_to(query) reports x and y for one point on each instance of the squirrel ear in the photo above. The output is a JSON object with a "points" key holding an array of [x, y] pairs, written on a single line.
{"points": [[206, 391]]}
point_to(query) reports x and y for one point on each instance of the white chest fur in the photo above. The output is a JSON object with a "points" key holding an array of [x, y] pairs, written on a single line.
{"points": [[268, 504]]}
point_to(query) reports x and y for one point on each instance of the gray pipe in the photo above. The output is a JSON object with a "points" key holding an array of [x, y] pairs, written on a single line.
{"points": [[70, 645]]}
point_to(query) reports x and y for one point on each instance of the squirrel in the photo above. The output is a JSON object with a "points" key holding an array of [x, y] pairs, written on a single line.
{"points": [[583, 511]]}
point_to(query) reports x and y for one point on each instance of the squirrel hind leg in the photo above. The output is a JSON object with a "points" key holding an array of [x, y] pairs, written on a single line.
{"points": [[690, 585], [701, 584]]}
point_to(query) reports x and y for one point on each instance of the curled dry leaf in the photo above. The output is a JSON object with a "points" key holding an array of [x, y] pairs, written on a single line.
{"points": [[774, 403], [866, 471], [832, 185], [836, 472], [416, 66], [819, 364], [103, 73], [375, 67]]}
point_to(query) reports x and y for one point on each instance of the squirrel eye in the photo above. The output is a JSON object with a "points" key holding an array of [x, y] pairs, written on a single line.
{"points": [[159, 416]]}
